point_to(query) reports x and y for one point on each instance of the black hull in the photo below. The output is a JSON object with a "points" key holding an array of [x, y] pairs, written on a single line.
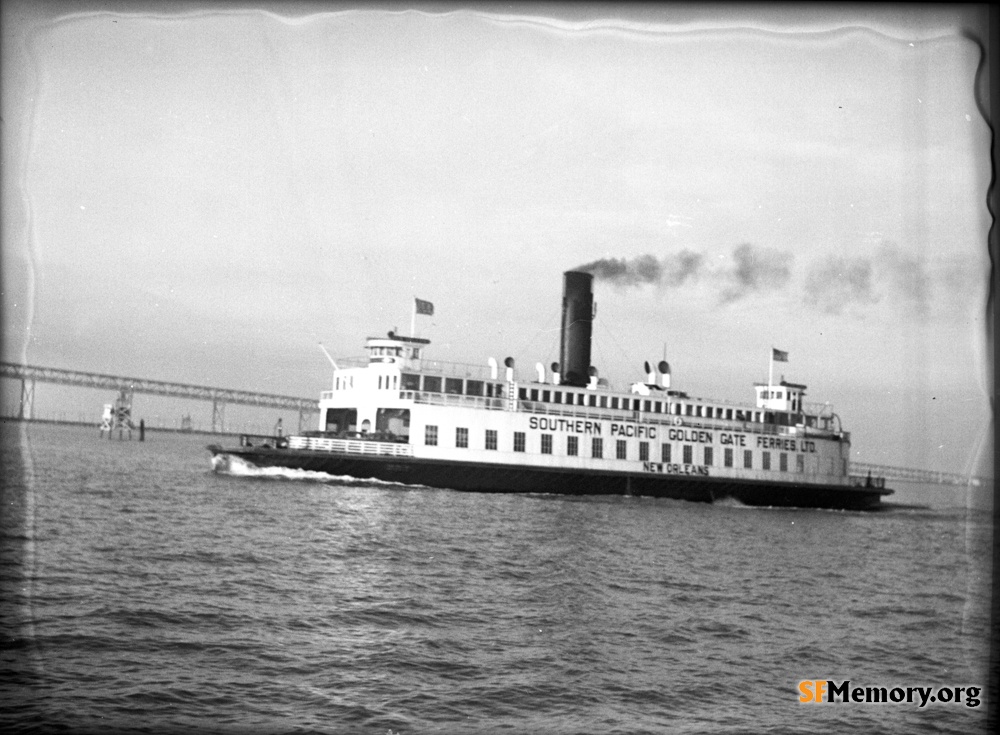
{"points": [[495, 478]]}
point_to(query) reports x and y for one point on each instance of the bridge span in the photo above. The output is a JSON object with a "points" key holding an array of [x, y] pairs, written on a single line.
{"points": [[30, 374], [907, 474]]}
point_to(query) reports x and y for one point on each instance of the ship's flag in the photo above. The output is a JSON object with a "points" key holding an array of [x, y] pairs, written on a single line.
{"points": [[424, 307], [779, 355]]}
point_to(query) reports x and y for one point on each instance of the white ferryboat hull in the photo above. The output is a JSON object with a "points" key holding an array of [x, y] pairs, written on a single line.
{"points": [[483, 477]]}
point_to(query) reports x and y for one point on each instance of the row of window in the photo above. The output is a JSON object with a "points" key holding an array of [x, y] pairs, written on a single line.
{"points": [[648, 405], [794, 396], [451, 386], [460, 386], [621, 449]]}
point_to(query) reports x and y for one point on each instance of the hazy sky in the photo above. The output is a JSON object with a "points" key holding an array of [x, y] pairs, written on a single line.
{"points": [[203, 195]]}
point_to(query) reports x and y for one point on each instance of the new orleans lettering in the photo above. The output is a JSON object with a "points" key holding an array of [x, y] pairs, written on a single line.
{"points": [[669, 468]]}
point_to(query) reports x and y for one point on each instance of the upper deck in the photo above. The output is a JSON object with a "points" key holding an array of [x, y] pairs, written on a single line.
{"points": [[396, 370]]}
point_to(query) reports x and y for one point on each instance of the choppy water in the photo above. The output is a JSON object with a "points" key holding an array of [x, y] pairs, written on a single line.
{"points": [[142, 592]]}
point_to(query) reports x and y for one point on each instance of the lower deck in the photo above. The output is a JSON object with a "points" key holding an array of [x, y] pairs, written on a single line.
{"points": [[483, 477]]}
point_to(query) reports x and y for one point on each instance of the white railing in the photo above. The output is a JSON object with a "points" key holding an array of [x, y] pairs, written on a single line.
{"points": [[453, 399], [350, 446]]}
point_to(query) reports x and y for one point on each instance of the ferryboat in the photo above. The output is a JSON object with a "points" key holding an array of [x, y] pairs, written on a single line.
{"points": [[396, 415]]}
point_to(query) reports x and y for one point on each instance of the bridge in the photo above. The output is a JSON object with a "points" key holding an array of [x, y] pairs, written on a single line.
{"points": [[906, 474], [30, 374]]}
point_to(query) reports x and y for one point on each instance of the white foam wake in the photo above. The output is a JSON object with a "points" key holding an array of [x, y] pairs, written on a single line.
{"points": [[227, 464]]}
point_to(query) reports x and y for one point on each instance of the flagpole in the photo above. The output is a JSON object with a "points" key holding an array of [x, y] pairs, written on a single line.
{"points": [[413, 317], [770, 374]]}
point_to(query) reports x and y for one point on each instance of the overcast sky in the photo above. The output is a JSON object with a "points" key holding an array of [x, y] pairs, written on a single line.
{"points": [[202, 196]]}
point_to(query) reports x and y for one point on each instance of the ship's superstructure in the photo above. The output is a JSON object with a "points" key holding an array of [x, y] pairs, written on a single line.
{"points": [[395, 414]]}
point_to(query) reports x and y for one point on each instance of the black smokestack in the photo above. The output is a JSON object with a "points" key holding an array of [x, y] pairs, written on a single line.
{"points": [[577, 321]]}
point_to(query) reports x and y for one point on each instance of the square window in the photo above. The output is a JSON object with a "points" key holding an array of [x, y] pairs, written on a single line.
{"points": [[431, 435], [572, 446]]}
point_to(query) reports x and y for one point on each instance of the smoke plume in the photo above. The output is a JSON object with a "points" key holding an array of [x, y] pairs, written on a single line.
{"points": [[756, 269], [905, 274], [832, 284], [672, 270], [837, 283]]}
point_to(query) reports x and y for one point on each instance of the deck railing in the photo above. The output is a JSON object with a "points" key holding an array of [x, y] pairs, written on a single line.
{"points": [[352, 446]]}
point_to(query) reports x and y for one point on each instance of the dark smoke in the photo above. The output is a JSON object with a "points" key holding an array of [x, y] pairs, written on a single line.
{"points": [[837, 283], [906, 274], [673, 270], [757, 269], [831, 285], [684, 265], [622, 272]]}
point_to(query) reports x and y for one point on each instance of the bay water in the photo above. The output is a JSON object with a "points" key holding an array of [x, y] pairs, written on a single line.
{"points": [[141, 592]]}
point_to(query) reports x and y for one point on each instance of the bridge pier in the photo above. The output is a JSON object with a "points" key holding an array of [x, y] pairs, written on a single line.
{"points": [[27, 399], [118, 416], [218, 416]]}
